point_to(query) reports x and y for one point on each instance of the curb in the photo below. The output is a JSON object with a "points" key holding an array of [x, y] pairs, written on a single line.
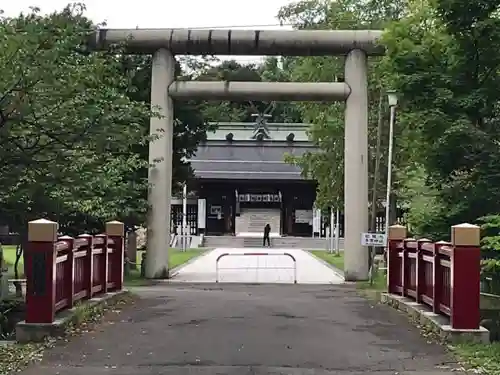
{"points": [[174, 271], [38, 332], [337, 271], [423, 315]]}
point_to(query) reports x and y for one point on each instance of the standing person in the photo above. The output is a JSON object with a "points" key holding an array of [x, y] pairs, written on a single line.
{"points": [[267, 230]]}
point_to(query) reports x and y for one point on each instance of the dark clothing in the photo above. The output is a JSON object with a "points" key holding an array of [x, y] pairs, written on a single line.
{"points": [[266, 238], [267, 230]]}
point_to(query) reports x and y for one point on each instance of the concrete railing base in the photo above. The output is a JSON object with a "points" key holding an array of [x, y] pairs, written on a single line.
{"points": [[438, 323], [38, 332]]}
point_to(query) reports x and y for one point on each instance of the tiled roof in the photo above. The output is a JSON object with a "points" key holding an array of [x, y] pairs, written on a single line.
{"points": [[233, 161]]}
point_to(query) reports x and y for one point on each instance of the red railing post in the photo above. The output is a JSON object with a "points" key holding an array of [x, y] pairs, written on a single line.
{"points": [[465, 276], [40, 265], [69, 271], [437, 276], [396, 234], [115, 230], [405, 267], [89, 265], [103, 264], [420, 281]]}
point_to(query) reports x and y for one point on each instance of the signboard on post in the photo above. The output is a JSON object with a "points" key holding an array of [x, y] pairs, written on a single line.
{"points": [[202, 213], [373, 239]]}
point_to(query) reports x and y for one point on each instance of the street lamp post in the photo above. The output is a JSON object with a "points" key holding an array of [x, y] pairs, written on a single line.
{"points": [[184, 233], [393, 102]]}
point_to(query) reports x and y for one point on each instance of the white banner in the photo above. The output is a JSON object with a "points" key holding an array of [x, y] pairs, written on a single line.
{"points": [[303, 216], [317, 221], [202, 213]]}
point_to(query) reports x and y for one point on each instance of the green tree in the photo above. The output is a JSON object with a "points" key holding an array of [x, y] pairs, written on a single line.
{"points": [[190, 126], [278, 69], [446, 69], [228, 71], [66, 124], [269, 70], [74, 125], [327, 164]]}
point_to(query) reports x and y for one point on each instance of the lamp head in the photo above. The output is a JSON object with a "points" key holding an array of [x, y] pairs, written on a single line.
{"points": [[392, 97]]}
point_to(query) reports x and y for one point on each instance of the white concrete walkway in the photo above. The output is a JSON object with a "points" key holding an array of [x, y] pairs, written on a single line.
{"points": [[257, 268]]}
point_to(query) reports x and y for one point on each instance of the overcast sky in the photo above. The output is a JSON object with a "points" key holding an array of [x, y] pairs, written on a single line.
{"points": [[168, 13]]}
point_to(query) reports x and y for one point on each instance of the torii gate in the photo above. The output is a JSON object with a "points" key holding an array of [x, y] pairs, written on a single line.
{"points": [[163, 44]]}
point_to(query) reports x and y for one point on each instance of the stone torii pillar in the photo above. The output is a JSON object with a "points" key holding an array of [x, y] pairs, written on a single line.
{"points": [[356, 166], [160, 158]]}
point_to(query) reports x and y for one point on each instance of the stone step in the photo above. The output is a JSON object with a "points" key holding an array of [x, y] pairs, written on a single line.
{"points": [[254, 220], [252, 241], [277, 242], [222, 241]]}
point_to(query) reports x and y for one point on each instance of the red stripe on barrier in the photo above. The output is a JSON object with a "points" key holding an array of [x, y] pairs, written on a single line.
{"points": [[257, 254], [246, 254]]}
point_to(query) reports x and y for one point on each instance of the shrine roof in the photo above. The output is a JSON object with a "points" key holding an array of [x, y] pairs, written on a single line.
{"points": [[248, 160]]}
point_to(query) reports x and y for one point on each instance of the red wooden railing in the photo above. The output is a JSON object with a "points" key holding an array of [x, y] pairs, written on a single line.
{"points": [[63, 270], [445, 276]]}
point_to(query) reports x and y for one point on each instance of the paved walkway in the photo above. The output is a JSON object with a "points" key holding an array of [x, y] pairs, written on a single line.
{"points": [[233, 329], [258, 268]]}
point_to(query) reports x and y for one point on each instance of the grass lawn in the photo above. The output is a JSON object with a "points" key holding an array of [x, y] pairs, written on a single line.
{"points": [[177, 257], [379, 281], [335, 260], [9, 254], [483, 358]]}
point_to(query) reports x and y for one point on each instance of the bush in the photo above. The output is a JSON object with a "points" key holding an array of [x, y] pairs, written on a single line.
{"points": [[490, 276], [11, 312], [490, 252]]}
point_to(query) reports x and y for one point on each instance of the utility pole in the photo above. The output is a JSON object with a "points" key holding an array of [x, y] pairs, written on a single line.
{"points": [[393, 102], [332, 230], [184, 235], [337, 232], [376, 172]]}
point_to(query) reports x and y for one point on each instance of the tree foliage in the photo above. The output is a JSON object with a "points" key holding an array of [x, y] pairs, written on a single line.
{"points": [[443, 58], [447, 72], [74, 125], [66, 122], [327, 131], [232, 71], [190, 126]]}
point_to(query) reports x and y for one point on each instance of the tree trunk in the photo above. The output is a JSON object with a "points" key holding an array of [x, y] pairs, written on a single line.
{"points": [[132, 249], [4, 282], [19, 254]]}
